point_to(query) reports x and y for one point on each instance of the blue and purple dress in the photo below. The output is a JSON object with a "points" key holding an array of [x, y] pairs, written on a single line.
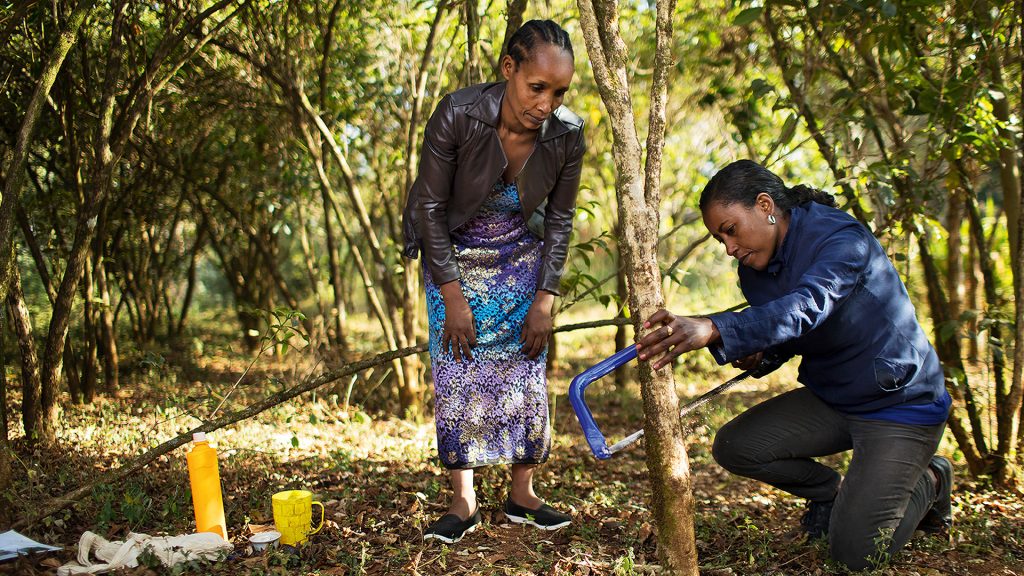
{"points": [[492, 409]]}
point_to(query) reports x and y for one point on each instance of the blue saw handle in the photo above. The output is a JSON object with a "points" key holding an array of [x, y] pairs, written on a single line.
{"points": [[579, 384]]}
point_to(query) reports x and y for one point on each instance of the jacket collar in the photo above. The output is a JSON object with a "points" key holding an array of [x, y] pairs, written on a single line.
{"points": [[487, 109], [782, 255]]}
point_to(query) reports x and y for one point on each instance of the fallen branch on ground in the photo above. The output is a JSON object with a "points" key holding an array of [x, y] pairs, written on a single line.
{"points": [[61, 502]]}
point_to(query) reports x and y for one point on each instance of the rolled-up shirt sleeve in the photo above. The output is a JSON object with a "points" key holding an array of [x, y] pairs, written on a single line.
{"points": [[835, 273]]}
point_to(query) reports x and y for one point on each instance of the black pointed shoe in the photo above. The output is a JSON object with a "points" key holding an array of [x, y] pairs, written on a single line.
{"points": [[450, 528], [940, 516], [545, 517]]}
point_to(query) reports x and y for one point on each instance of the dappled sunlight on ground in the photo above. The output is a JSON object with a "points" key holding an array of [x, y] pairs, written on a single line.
{"points": [[377, 477]]}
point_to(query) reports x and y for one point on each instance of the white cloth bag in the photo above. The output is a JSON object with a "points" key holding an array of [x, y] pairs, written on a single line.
{"points": [[170, 550]]}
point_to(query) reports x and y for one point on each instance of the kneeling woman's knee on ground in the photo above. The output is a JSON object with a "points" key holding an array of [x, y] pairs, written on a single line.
{"points": [[858, 551], [731, 450]]}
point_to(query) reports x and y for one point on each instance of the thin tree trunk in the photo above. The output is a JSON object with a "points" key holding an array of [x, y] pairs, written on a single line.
{"points": [[14, 168], [473, 73], [954, 263], [992, 300], [949, 355], [190, 283], [108, 334], [89, 329], [1008, 470], [514, 10], [1019, 341], [4, 425], [336, 329], [638, 206], [337, 315], [972, 303], [622, 293], [6, 479], [30, 381]]}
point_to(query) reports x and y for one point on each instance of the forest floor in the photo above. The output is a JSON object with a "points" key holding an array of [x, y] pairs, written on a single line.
{"points": [[378, 479]]}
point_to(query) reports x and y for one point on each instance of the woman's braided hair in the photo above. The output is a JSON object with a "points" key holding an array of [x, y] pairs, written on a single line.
{"points": [[741, 182], [525, 40]]}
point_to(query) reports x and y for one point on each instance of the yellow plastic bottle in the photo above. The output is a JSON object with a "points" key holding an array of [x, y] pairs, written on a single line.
{"points": [[204, 476]]}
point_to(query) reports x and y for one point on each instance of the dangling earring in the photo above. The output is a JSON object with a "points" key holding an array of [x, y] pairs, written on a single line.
{"points": [[771, 219]]}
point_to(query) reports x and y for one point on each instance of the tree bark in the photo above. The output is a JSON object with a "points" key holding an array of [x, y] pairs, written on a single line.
{"points": [[6, 479], [514, 10], [108, 333], [622, 294], [30, 381], [638, 198], [90, 327], [954, 263], [473, 75]]}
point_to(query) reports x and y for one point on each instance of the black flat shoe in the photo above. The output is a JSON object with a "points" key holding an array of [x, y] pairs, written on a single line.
{"points": [[940, 516], [545, 517], [450, 528], [816, 519]]}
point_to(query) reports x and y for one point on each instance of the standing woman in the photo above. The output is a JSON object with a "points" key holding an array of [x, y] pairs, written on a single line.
{"points": [[492, 209], [820, 286]]}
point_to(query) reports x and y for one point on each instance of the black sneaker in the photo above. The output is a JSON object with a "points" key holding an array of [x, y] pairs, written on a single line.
{"points": [[545, 517], [815, 520], [450, 528], [940, 516]]}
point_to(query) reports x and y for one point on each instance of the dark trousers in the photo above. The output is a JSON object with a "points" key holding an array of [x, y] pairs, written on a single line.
{"points": [[887, 489]]}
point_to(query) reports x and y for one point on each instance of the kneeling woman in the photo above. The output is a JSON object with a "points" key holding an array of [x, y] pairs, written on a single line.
{"points": [[820, 286]]}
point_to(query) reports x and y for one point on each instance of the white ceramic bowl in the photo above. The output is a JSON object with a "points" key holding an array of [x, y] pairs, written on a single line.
{"points": [[262, 540]]}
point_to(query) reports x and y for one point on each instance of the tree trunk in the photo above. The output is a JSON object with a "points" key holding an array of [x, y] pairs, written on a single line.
{"points": [[15, 167], [4, 426], [108, 334], [638, 198], [5, 446], [1008, 469], [971, 292], [190, 286], [956, 382], [336, 322], [622, 292], [90, 326], [954, 264], [552, 359], [473, 73], [514, 10], [33, 423]]}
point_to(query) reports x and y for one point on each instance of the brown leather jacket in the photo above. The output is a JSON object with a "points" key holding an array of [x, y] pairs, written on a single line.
{"points": [[461, 160]]}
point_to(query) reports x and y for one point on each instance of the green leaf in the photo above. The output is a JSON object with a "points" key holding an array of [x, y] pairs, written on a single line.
{"points": [[747, 16], [759, 87]]}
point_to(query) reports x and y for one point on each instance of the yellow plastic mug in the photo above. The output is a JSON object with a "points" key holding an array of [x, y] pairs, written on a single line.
{"points": [[293, 515]]}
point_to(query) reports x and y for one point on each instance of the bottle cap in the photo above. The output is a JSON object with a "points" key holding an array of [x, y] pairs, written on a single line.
{"points": [[199, 437]]}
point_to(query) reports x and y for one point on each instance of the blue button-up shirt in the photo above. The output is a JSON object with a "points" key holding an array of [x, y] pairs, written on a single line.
{"points": [[831, 295]]}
